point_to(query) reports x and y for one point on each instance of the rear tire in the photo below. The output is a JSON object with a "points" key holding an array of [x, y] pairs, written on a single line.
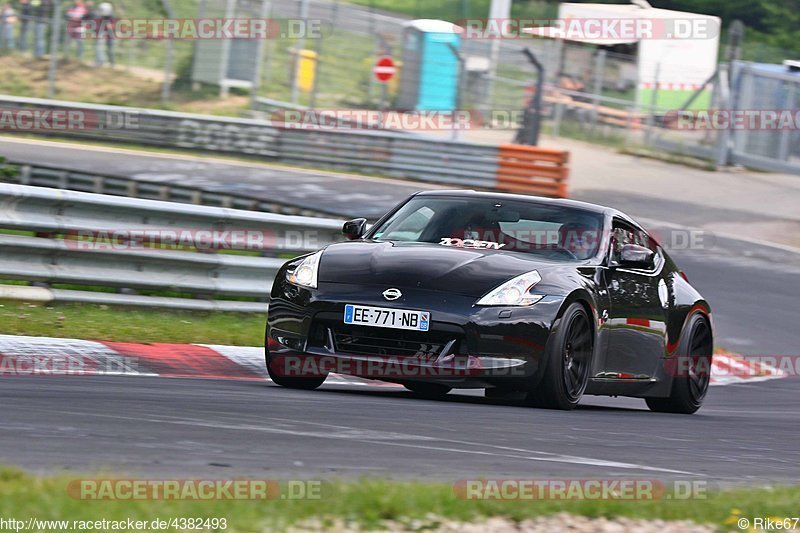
{"points": [[690, 384], [428, 390], [568, 362], [310, 382]]}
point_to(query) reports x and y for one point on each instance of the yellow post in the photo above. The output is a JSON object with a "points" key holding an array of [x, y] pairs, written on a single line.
{"points": [[307, 70]]}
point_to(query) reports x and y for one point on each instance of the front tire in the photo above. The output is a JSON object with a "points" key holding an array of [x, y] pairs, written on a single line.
{"points": [[568, 362], [309, 382], [690, 384]]}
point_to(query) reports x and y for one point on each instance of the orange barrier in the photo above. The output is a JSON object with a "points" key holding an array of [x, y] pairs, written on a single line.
{"points": [[534, 170]]}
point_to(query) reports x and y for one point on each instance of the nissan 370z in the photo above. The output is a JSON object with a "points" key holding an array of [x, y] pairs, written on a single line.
{"points": [[547, 300]]}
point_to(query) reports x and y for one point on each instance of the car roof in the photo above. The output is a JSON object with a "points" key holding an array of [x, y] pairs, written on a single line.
{"points": [[586, 206]]}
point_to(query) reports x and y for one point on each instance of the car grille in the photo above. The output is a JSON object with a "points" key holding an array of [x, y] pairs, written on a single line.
{"points": [[398, 343]]}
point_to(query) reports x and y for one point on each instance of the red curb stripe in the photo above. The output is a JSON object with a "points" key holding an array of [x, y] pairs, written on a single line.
{"points": [[182, 360]]}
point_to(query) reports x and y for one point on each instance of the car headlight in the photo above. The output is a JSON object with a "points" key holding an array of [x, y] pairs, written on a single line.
{"points": [[515, 291], [306, 273]]}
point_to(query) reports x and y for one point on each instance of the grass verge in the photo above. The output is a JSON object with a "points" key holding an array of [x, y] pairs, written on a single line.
{"points": [[112, 323], [370, 503]]}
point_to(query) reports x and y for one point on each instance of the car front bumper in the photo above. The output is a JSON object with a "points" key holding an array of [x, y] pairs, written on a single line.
{"points": [[466, 345]]}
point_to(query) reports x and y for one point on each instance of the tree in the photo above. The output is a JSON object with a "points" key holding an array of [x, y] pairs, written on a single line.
{"points": [[783, 23]]}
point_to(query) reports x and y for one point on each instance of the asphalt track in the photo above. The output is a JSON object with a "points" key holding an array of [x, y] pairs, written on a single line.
{"points": [[159, 426], [177, 427], [317, 190]]}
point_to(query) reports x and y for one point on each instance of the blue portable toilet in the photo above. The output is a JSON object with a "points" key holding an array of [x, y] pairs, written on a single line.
{"points": [[429, 79]]}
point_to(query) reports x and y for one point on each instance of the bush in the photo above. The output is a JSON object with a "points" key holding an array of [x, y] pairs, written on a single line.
{"points": [[7, 172]]}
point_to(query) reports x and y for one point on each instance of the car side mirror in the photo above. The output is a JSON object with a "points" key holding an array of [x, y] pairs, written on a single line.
{"points": [[633, 255], [355, 229]]}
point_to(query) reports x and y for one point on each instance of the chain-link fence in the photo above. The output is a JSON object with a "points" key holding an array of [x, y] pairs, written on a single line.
{"points": [[588, 92], [752, 120]]}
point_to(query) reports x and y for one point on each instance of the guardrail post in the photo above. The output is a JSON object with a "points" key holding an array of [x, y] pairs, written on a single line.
{"points": [[25, 175]]}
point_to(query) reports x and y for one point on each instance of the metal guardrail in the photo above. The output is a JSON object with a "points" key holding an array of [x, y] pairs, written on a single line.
{"points": [[150, 188], [396, 154], [153, 127], [91, 240]]}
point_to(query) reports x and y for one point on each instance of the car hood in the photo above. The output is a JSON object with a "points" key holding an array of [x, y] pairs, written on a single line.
{"points": [[463, 271]]}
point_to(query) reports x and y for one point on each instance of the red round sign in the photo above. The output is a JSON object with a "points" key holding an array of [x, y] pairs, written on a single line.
{"points": [[384, 69]]}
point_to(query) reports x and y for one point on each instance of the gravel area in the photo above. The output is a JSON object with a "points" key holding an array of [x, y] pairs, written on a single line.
{"points": [[561, 522]]}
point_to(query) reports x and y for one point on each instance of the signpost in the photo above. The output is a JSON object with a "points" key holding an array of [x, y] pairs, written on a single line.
{"points": [[384, 70]]}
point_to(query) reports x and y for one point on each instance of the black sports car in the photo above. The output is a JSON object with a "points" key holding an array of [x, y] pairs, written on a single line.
{"points": [[523, 296]]}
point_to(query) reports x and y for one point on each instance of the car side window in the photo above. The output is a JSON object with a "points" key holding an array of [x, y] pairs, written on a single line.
{"points": [[622, 234]]}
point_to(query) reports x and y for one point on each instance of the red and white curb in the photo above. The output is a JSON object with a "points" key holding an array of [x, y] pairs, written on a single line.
{"points": [[33, 356], [45, 356]]}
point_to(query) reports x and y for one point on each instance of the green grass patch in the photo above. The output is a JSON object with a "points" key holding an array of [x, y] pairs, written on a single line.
{"points": [[370, 503], [116, 323]]}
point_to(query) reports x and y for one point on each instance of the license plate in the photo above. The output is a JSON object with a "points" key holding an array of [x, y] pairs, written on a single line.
{"points": [[381, 317]]}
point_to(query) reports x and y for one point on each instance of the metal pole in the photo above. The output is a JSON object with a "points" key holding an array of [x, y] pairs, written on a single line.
{"points": [[786, 133], [559, 115], [599, 67], [201, 14], [54, 51], [335, 22], [301, 44], [317, 71], [375, 51], [456, 133], [270, 52], [499, 10], [653, 104], [533, 113], [386, 50], [266, 8], [166, 88]]}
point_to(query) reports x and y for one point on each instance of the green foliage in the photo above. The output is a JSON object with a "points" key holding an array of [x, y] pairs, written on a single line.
{"points": [[7, 172], [783, 20], [768, 22]]}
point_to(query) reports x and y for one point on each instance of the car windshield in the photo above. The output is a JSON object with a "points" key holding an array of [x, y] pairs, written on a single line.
{"points": [[557, 232]]}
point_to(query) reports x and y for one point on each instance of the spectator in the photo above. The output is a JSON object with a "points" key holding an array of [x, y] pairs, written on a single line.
{"points": [[75, 17], [89, 18], [42, 14], [105, 33], [7, 20], [25, 14]]}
